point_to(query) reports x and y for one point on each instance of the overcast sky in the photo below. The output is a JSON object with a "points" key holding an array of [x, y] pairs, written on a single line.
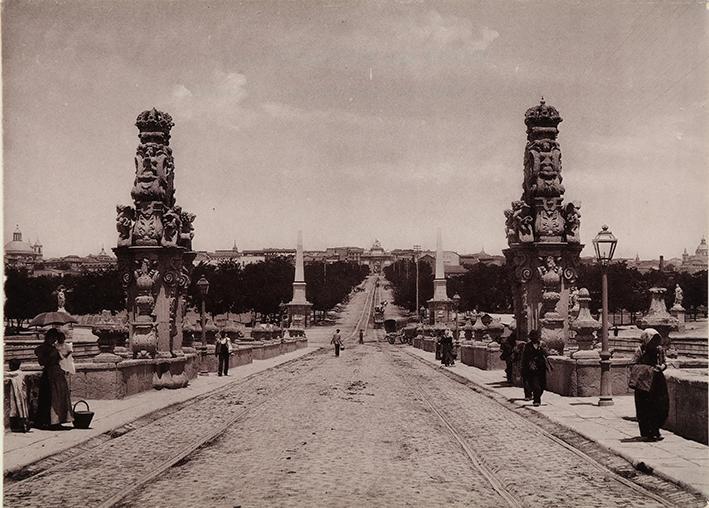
{"points": [[356, 120]]}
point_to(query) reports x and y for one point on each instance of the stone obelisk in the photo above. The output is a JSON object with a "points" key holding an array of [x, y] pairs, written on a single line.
{"points": [[299, 306], [440, 305]]}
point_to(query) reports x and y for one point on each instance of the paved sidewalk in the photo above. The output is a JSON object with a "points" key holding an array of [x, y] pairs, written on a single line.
{"points": [[20, 450], [679, 460]]}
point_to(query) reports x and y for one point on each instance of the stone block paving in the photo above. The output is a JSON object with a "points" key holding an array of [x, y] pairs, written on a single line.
{"points": [[680, 460], [531, 465], [347, 434]]}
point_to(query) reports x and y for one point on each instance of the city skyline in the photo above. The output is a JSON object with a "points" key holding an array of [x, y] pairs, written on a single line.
{"points": [[586, 253], [368, 120]]}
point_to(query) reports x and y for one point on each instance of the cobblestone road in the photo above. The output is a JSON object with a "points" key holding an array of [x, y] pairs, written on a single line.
{"points": [[326, 431]]}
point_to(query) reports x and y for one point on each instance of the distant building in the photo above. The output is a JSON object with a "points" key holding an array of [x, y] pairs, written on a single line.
{"points": [[376, 258], [451, 262], [348, 254], [481, 257], [74, 264], [698, 262], [21, 254]]}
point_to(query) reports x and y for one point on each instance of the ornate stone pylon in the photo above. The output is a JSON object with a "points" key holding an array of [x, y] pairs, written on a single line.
{"points": [[542, 234], [299, 307], [440, 305], [154, 248]]}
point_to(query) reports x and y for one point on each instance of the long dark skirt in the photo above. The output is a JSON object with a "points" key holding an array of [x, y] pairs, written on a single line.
{"points": [[652, 407], [54, 401], [447, 354]]}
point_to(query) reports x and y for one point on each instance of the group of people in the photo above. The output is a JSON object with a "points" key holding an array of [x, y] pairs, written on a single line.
{"points": [[54, 402], [651, 397], [337, 340]]}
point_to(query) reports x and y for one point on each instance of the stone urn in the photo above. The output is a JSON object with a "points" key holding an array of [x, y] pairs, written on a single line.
{"points": [[479, 330], [210, 330], [495, 330], [110, 332], [232, 331], [658, 318], [468, 330], [585, 327], [189, 332]]}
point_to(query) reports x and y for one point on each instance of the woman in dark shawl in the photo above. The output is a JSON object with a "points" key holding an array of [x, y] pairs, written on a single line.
{"points": [[652, 406], [447, 348], [54, 405]]}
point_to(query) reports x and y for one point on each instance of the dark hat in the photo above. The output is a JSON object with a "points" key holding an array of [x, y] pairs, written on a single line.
{"points": [[534, 335]]}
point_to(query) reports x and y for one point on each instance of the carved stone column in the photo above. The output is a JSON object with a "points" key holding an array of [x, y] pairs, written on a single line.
{"points": [[543, 235], [154, 247]]}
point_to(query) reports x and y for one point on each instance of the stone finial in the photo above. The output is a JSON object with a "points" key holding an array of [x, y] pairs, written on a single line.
{"points": [[154, 126], [542, 116]]}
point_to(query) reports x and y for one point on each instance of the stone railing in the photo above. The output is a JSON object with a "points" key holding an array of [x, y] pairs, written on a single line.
{"points": [[687, 389]]}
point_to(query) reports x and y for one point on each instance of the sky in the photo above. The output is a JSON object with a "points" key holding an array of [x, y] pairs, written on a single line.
{"points": [[355, 120]]}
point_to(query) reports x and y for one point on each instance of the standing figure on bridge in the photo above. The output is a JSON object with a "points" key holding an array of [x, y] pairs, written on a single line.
{"points": [[651, 402], [447, 348], [54, 404], [508, 354], [534, 367], [223, 352], [361, 336], [337, 340]]}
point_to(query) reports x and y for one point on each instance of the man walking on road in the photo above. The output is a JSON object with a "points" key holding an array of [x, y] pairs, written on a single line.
{"points": [[361, 336], [337, 340]]}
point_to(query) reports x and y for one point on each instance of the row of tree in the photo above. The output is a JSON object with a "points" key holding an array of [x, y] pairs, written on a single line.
{"points": [[260, 287], [495, 297], [487, 287], [264, 287]]}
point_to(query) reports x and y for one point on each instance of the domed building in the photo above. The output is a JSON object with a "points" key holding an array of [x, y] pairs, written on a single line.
{"points": [[699, 261], [21, 254]]}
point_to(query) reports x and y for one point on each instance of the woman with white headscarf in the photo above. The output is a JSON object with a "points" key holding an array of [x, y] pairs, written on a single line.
{"points": [[651, 398]]}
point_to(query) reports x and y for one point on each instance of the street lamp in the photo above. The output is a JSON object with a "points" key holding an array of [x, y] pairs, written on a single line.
{"points": [[604, 245], [417, 251], [203, 286]]}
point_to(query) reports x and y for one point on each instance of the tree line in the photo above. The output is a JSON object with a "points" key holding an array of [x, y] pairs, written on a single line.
{"points": [[261, 287], [487, 287]]}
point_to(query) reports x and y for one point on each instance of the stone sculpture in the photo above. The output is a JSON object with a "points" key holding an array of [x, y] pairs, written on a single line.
{"points": [[154, 247], [679, 296], [543, 234]]}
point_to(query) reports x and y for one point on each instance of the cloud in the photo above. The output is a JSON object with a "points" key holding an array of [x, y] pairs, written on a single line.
{"points": [[223, 92], [287, 112], [429, 31]]}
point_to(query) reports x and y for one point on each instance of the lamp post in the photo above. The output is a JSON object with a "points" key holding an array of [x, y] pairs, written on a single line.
{"points": [[417, 251], [604, 245], [203, 286]]}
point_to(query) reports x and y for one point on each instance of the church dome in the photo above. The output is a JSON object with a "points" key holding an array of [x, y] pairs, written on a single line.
{"points": [[702, 249], [17, 246]]}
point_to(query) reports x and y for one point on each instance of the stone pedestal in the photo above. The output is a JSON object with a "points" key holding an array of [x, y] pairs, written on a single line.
{"points": [[585, 327], [678, 312]]}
